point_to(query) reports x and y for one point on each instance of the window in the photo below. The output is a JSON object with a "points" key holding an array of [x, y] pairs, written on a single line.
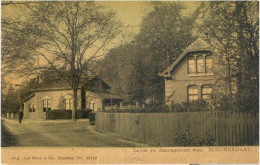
{"points": [[191, 65], [46, 105], [200, 64], [193, 93], [206, 92], [68, 103], [208, 64], [32, 108]]}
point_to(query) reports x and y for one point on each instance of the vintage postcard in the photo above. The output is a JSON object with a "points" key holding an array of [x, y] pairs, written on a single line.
{"points": [[130, 82]]}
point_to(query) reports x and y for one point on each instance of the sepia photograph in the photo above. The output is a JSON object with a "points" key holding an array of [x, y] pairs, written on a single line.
{"points": [[129, 78]]}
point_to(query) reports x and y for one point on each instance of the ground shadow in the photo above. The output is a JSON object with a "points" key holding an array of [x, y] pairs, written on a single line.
{"points": [[7, 138]]}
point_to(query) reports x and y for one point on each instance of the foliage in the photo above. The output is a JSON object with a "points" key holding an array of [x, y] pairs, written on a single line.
{"points": [[138, 111], [10, 100], [178, 107], [65, 36], [165, 31], [16, 48], [124, 72], [235, 28], [194, 106], [132, 68], [66, 114], [224, 103], [197, 106], [185, 138]]}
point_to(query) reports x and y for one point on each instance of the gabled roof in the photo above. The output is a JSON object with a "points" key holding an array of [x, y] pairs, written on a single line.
{"points": [[61, 84], [55, 84], [107, 95], [30, 95], [198, 45]]}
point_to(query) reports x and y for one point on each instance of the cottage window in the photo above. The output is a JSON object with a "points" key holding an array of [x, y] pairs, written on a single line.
{"points": [[191, 65], [200, 64], [193, 93], [32, 108], [206, 92], [68, 103], [91, 105], [46, 105], [208, 64]]}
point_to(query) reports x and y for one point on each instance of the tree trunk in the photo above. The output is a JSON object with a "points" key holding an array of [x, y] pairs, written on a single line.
{"points": [[229, 78], [74, 107]]}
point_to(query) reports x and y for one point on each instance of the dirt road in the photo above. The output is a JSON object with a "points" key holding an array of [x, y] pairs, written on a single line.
{"points": [[61, 134]]}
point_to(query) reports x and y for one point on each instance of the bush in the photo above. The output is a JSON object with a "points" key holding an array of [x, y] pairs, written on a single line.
{"points": [[66, 114], [137, 111], [198, 106], [185, 138], [195, 106], [178, 108], [225, 103]]}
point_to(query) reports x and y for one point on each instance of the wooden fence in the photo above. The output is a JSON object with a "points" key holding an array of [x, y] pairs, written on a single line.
{"points": [[160, 129]]}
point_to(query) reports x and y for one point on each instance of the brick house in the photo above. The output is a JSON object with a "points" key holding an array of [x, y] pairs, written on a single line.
{"points": [[192, 75], [56, 94]]}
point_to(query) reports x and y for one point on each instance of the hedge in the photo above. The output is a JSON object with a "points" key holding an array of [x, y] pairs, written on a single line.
{"points": [[137, 111], [67, 114]]}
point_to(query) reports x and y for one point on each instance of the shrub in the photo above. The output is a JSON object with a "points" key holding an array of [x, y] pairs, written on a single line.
{"points": [[185, 138], [178, 108], [224, 103], [197, 106], [66, 114], [157, 108]]}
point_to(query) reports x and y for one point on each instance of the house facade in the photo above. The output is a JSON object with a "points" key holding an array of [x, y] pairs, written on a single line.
{"points": [[193, 75], [56, 94]]}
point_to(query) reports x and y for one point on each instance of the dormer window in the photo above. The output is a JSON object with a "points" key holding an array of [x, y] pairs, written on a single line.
{"points": [[200, 64], [191, 65], [208, 64]]}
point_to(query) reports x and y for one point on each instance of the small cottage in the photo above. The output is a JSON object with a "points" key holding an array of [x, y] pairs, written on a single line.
{"points": [[56, 94]]}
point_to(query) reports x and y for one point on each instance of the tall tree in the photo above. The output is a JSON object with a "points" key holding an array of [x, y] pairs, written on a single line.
{"points": [[122, 68], [166, 30], [235, 26], [164, 33], [67, 36]]}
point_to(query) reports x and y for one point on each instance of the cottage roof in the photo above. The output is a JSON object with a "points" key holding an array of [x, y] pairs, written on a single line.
{"points": [[108, 95], [30, 95], [59, 84], [198, 45]]}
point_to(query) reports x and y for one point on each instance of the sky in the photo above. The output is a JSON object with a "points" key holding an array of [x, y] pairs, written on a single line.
{"points": [[130, 13]]}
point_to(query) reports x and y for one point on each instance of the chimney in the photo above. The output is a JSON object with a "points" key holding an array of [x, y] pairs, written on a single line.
{"points": [[39, 78], [207, 36]]}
